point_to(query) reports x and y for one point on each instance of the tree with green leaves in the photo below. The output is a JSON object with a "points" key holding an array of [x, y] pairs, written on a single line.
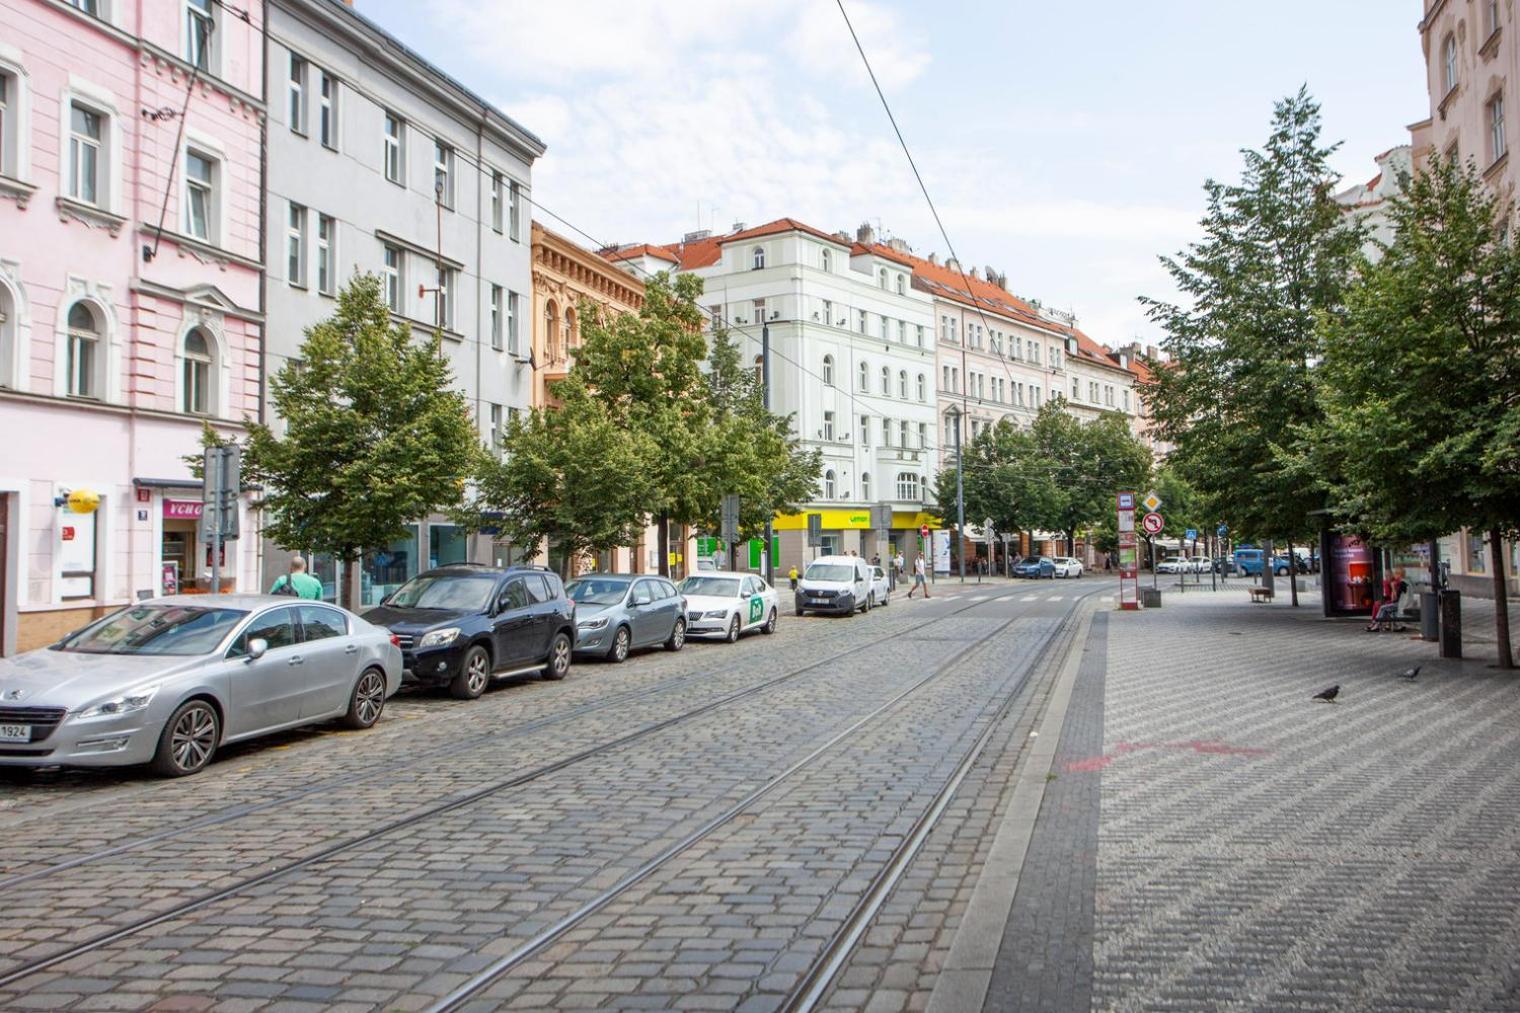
{"points": [[1085, 464], [1002, 480], [375, 434], [1420, 384], [1238, 393]]}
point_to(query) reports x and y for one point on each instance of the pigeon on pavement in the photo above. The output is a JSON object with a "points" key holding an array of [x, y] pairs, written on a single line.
{"points": [[1410, 673], [1328, 695]]}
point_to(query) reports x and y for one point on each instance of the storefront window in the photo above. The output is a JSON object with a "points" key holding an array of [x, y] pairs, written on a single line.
{"points": [[325, 568], [386, 569], [446, 544], [1475, 556]]}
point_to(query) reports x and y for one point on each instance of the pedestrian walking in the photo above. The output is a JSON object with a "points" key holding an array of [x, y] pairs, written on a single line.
{"points": [[918, 578], [792, 576], [298, 583], [897, 563]]}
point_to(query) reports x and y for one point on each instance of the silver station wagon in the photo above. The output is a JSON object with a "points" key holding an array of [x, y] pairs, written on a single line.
{"points": [[167, 681]]}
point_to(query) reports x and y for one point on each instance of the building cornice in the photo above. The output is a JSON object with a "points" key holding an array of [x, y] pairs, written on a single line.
{"points": [[1431, 15], [187, 298], [418, 249], [112, 408], [206, 253]]}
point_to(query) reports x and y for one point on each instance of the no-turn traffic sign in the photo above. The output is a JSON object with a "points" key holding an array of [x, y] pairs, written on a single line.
{"points": [[1153, 523]]}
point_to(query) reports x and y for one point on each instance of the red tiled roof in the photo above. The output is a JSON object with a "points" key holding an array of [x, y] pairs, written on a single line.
{"points": [[779, 226], [641, 250]]}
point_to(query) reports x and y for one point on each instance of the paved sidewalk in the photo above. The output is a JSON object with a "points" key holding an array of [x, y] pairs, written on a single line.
{"points": [[1211, 838]]}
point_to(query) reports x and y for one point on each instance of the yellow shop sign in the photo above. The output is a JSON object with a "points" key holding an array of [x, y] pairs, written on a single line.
{"points": [[856, 520]]}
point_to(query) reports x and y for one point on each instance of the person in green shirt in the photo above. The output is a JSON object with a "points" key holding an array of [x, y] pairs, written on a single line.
{"points": [[298, 580]]}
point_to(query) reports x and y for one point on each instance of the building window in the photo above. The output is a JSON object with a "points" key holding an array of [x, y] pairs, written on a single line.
{"points": [[865, 430], [443, 174], [828, 370], [1125, 395], [907, 486], [1108, 395], [200, 25], [828, 313], [865, 486], [902, 331], [886, 432], [923, 387], [865, 376], [496, 434], [828, 426], [83, 352], [444, 299], [826, 260], [944, 383], [514, 210], [920, 335], [512, 322], [327, 241], [1076, 389], [1034, 355], [861, 322], [391, 272], [886, 380], [902, 434], [86, 131], [759, 309], [200, 192], [327, 113], [551, 330], [955, 380], [902, 284], [757, 258], [902, 384], [1496, 128], [923, 436], [884, 333], [90, 7], [882, 279], [395, 147], [8, 165], [1491, 16], [1055, 358], [828, 484], [496, 317], [295, 246], [496, 201], [1449, 60], [197, 374], [297, 94]]}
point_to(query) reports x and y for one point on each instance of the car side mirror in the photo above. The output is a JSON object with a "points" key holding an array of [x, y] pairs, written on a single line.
{"points": [[257, 648]]}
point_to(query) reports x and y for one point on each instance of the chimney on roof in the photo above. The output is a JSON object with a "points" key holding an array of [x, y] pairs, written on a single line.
{"points": [[900, 245], [952, 263], [933, 258], [842, 236], [1151, 353], [697, 236], [975, 272], [865, 235], [738, 227]]}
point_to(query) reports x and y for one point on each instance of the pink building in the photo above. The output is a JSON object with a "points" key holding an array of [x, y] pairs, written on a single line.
{"points": [[130, 294]]}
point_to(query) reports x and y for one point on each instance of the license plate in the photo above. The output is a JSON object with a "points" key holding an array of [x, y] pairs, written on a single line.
{"points": [[819, 601], [15, 733]]}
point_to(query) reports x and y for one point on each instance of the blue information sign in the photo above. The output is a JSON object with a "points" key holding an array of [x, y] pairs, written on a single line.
{"points": [[1192, 534]]}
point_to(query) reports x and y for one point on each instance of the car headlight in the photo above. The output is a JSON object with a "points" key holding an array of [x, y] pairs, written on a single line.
{"points": [[715, 614], [593, 624], [127, 703], [438, 638]]}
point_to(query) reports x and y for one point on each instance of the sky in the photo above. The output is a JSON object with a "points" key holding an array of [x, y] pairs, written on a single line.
{"points": [[1064, 144]]}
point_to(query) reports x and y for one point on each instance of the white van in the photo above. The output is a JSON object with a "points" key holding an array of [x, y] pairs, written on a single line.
{"points": [[837, 584]]}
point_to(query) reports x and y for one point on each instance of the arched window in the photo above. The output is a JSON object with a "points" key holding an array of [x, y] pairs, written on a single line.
{"points": [[865, 376], [7, 335], [902, 384], [757, 258], [1449, 59], [572, 331], [828, 484], [551, 330], [865, 486], [196, 384], [907, 486], [902, 284], [83, 352], [922, 387], [828, 370], [882, 278], [826, 260], [886, 380]]}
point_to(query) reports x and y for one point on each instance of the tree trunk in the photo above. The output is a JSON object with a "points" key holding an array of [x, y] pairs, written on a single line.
{"points": [[1501, 599], [1292, 575], [346, 581], [663, 545], [1071, 542]]}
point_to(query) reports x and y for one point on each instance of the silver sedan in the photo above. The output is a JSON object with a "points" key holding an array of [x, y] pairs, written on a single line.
{"points": [[168, 681]]}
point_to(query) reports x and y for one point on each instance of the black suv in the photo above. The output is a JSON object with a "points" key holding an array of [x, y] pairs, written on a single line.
{"points": [[460, 625]]}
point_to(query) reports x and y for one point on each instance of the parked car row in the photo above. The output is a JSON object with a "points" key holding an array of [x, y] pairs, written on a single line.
{"points": [[1047, 566]]}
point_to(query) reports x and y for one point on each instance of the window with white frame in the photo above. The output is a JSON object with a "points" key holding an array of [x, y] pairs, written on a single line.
{"points": [[295, 246], [886, 432], [443, 174], [496, 201], [902, 284], [923, 387], [829, 484], [828, 426], [1108, 395], [757, 258], [865, 486], [759, 309], [91, 7], [826, 260], [1125, 396], [1496, 143], [923, 436], [865, 430], [886, 380], [297, 94], [1034, 353], [87, 170], [902, 331], [1449, 62], [395, 148], [512, 322], [514, 210], [496, 431], [828, 313], [496, 308], [902, 384], [882, 279], [944, 382], [828, 370], [390, 272], [920, 335], [902, 433], [327, 109], [1034, 393], [955, 380], [9, 103], [861, 322], [1055, 357], [196, 374], [7, 337], [327, 255], [200, 195], [865, 376], [83, 353], [1076, 389], [444, 299], [200, 30], [907, 486]]}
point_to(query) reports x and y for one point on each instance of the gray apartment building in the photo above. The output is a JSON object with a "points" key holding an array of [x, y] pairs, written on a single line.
{"points": [[378, 162]]}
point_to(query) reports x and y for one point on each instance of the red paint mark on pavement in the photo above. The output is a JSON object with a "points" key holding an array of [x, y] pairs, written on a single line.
{"points": [[1201, 747]]}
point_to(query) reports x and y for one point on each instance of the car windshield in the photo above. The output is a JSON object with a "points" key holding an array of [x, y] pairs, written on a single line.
{"points": [[461, 591], [597, 590], [711, 587], [829, 571], [155, 629]]}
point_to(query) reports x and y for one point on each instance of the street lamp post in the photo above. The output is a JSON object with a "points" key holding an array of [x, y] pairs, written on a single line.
{"points": [[960, 495], [765, 388]]}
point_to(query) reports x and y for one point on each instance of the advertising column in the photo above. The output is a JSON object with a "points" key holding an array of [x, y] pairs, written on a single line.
{"points": [[1129, 559]]}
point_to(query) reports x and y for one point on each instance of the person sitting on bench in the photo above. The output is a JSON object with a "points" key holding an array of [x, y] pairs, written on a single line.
{"points": [[1385, 615]]}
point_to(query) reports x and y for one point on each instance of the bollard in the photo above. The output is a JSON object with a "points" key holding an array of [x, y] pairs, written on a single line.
{"points": [[1451, 624], [1430, 619]]}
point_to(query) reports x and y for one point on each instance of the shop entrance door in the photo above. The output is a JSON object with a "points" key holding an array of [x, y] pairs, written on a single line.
{"points": [[178, 571]]}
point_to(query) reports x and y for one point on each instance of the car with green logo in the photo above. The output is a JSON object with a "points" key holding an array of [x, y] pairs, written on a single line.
{"points": [[726, 604]]}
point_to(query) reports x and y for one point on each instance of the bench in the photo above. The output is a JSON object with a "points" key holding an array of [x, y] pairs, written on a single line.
{"points": [[1261, 594]]}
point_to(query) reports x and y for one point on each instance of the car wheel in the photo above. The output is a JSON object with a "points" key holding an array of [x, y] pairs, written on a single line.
{"points": [[799, 612], [618, 652], [770, 623], [558, 665], [733, 630], [886, 599], [677, 636], [474, 674], [188, 741], [367, 701]]}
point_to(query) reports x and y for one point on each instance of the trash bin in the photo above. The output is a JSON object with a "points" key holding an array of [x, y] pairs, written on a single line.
{"points": [[1451, 624], [1150, 597], [1430, 619]]}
